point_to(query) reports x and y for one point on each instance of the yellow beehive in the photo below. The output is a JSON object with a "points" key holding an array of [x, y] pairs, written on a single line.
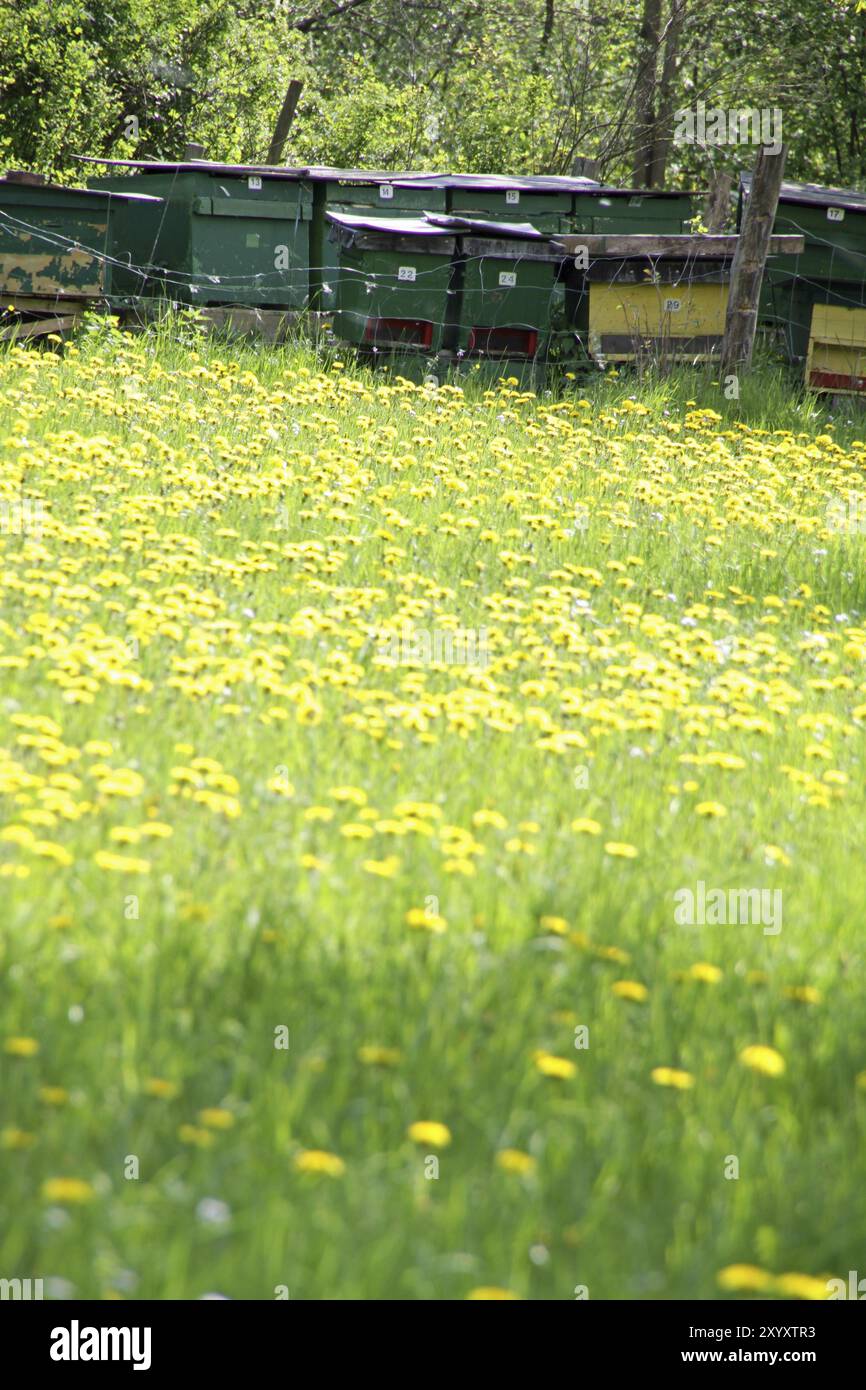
{"points": [[675, 321], [837, 349]]}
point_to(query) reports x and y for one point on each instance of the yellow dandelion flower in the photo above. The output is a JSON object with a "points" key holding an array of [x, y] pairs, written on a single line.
{"points": [[803, 994], [160, 1089], [774, 854], [632, 990], [311, 861], [711, 810], [704, 972], [69, 1191], [21, 1047], [120, 863], [765, 1060], [557, 925], [13, 1138], [559, 1068], [355, 830], [805, 1286], [584, 826], [191, 1134], [430, 1133], [743, 1279], [47, 849], [372, 1055], [489, 1293], [617, 850], [216, 1117], [460, 866], [388, 867], [613, 953], [420, 919], [280, 786], [672, 1076], [53, 1095], [320, 1161], [516, 1161], [355, 796]]}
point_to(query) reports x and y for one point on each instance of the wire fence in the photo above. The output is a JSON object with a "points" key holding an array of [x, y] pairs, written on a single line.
{"points": [[301, 282]]}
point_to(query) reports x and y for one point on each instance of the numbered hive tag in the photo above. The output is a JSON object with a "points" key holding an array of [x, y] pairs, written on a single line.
{"points": [[673, 306], [386, 191], [835, 214], [254, 181], [253, 242], [635, 202], [512, 195], [406, 272], [508, 279]]}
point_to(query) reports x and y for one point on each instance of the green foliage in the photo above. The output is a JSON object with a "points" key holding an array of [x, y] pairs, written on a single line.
{"points": [[141, 79], [361, 121], [478, 86]]}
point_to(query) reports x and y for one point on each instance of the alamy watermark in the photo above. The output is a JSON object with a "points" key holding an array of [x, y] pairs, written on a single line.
{"points": [[854, 1289], [459, 646], [21, 516], [753, 126], [720, 907], [22, 1290], [846, 516]]}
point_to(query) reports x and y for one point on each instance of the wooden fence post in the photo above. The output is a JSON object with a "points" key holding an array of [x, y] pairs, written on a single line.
{"points": [[747, 271], [284, 121]]}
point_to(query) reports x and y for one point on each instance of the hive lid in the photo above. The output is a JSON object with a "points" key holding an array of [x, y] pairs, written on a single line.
{"points": [[324, 173], [814, 194], [14, 179], [477, 226], [196, 166], [390, 226]]}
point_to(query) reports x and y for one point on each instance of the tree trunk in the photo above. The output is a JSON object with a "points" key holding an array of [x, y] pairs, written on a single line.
{"points": [[718, 205], [645, 92], [663, 129]]}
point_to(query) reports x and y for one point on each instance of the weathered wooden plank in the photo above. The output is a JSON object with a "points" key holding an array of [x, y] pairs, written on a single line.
{"points": [[510, 249], [39, 327], [675, 246]]}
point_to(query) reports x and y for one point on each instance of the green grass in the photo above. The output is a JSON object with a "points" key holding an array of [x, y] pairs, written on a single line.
{"points": [[227, 533]]}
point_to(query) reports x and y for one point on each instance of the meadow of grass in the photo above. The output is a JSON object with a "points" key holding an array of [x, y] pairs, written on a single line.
{"points": [[330, 974]]}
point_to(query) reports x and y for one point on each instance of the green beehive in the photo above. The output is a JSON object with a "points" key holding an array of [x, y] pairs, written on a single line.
{"points": [[545, 202], [833, 222], [830, 271], [227, 234], [393, 289], [61, 243], [622, 210], [360, 193], [507, 291]]}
